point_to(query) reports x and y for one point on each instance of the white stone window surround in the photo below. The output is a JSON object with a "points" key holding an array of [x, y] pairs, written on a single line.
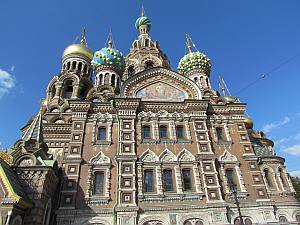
{"points": [[102, 120], [222, 122], [229, 161], [289, 187], [99, 163], [149, 160]]}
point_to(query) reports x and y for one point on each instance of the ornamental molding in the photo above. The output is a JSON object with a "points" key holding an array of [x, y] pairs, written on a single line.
{"points": [[103, 117], [227, 157], [100, 159], [185, 156], [167, 156], [149, 156], [144, 78], [163, 114]]}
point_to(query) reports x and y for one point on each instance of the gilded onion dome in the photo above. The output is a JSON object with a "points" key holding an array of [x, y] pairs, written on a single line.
{"points": [[193, 60], [109, 56], [79, 49], [248, 122]]}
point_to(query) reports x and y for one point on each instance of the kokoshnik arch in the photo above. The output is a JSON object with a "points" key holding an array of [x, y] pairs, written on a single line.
{"points": [[127, 140]]}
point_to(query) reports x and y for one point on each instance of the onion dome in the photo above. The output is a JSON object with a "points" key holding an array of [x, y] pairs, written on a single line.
{"points": [[109, 56], [248, 123], [143, 20], [194, 60], [79, 49]]}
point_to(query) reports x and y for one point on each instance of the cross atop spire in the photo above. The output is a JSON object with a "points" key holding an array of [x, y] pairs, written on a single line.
{"points": [[110, 39], [188, 43], [83, 39], [143, 11]]}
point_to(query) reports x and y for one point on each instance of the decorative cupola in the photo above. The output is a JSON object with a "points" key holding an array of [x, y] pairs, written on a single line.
{"points": [[144, 53], [108, 65], [195, 65], [77, 58]]}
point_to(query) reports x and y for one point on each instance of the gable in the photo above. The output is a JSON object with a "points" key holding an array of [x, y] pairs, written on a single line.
{"points": [[160, 84]]}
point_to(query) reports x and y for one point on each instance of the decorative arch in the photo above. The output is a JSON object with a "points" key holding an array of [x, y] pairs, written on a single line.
{"points": [[153, 219], [143, 79], [227, 157], [96, 221], [167, 156], [185, 156], [100, 158], [149, 156]]}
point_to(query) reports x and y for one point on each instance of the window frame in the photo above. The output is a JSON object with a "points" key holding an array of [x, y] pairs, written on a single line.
{"points": [[143, 132], [105, 132], [190, 180], [163, 126], [168, 186], [98, 172], [145, 186]]}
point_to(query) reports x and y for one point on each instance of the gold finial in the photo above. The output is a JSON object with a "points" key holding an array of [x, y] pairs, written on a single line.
{"points": [[110, 41], [188, 44], [83, 40], [143, 11]]}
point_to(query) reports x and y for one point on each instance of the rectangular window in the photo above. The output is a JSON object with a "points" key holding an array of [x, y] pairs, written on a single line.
{"points": [[102, 133], [187, 180], [179, 132], [98, 183], [168, 180], [219, 132], [148, 181], [163, 133], [229, 176], [146, 132]]}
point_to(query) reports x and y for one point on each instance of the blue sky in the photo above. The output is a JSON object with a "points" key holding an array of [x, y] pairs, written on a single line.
{"points": [[244, 40]]}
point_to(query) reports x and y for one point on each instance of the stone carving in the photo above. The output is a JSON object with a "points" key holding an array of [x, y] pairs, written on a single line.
{"points": [[167, 156], [149, 156], [227, 157], [185, 155], [103, 117], [99, 159]]}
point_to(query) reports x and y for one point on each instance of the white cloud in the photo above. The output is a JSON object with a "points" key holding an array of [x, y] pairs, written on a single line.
{"points": [[271, 126], [292, 150], [7, 82], [295, 173]]}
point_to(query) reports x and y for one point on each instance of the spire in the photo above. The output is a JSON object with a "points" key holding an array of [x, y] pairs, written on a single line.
{"points": [[35, 131], [110, 40], [83, 39], [143, 11], [188, 44], [222, 85]]}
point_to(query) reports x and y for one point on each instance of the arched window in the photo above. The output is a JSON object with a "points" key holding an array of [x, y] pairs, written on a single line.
{"points": [[98, 183], [268, 178], [163, 132], [79, 66], [229, 177], [187, 179], [219, 132], [146, 132], [148, 181], [68, 89], [102, 133], [113, 79], [106, 78], [199, 223], [298, 218], [282, 219], [248, 221], [100, 79], [147, 42], [64, 67], [68, 65], [167, 180], [187, 223], [282, 177], [73, 65], [149, 65], [85, 69], [131, 71], [195, 79], [207, 82]]}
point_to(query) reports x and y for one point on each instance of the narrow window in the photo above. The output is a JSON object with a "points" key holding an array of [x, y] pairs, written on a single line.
{"points": [[187, 181], [102, 133], [268, 178], [168, 180], [146, 132], [281, 175], [148, 65], [163, 134], [85, 69], [131, 70], [113, 78], [79, 66], [219, 132], [229, 176], [179, 132], [68, 65], [148, 180], [73, 65], [98, 183]]}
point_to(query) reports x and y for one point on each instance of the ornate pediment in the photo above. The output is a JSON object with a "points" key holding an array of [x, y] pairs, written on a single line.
{"points": [[99, 159], [159, 84], [149, 156], [167, 156], [227, 157], [185, 156]]}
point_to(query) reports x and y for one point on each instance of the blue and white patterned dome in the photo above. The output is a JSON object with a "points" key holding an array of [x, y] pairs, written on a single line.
{"points": [[143, 20], [110, 57]]}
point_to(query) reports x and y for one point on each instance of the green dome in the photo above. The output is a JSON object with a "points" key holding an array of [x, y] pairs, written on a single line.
{"points": [[194, 60], [142, 21]]}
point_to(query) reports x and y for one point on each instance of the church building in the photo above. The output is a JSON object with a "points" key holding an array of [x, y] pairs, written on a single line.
{"points": [[127, 140]]}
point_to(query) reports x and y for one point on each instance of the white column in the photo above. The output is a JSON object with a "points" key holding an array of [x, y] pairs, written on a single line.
{"points": [[159, 185], [178, 179], [197, 177]]}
